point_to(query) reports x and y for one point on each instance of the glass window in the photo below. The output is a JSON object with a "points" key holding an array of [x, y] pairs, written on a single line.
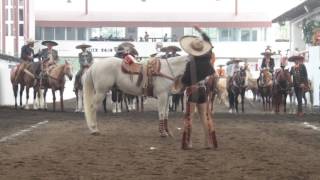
{"points": [[234, 33], [224, 35], [20, 14], [38, 34], [82, 34], [7, 29], [21, 28], [48, 33], [254, 35], [71, 33], [59, 33], [245, 35]]}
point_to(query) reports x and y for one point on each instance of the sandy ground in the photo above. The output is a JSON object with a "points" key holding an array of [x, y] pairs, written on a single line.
{"points": [[252, 146]]}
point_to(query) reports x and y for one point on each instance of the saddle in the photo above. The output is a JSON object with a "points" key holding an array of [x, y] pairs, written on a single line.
{"points": [[144, 72]]}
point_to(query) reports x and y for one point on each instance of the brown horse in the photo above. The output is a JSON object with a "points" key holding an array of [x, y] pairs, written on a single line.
{"points": [[265, 89], [281, 89], [26, 80], [56, 80]]}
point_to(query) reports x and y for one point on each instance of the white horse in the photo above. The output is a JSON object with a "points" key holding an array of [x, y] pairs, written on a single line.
{"points": [[105, 73]]}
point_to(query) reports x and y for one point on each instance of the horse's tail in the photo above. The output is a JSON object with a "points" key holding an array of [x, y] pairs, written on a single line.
{"points": [[88, 101]]}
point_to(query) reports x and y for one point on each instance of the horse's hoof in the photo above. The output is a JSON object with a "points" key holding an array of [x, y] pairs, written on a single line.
{"points": [[95, 133]]}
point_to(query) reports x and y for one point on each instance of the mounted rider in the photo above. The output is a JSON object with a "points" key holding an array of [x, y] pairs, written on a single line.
{"points": [[233, 66], [49, 56], [85, 60], [300, 79], [197, 69], [267, 63], [27, 55]]}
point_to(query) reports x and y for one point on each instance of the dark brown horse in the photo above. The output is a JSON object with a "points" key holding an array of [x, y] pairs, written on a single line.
{"points": [[265, 84], [238, 86], [281, 89], [26, 80], [55, 81]]}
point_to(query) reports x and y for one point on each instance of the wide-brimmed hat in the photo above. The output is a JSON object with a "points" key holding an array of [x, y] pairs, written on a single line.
{"points": [[195, 46], [83, 45], [235, 60], [170, 49], [30, 41], [221, 65], [267, 52], [45, 43], [153, 55], [296, 58], [126, 44]]}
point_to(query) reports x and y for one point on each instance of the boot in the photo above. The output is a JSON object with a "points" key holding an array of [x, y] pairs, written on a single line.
{"points": [[214, 139], [162, 131], [119, 107], [186, 139]]}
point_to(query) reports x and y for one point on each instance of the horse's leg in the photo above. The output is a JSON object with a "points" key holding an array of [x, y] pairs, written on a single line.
{"points": [[163, 107], [35, 93], [21, 94], [45, 99], [104, 102], [236, 102], [242, 101], [311, 100], [186, 136], [208, 125], [15, 93], [142, 104], [54, 99], [182, 102], [61, 99], [231, 101], [77, 100], [285, 103], [27, 97]]}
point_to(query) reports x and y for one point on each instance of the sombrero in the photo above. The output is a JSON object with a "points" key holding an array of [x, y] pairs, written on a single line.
{"points": [[173, 49], [295, 57], [221, 65], [126, 44], [49, 42], [267, 52], [164, 49], [153, 55], [30, 41], [194, 45], [232, 61], [83, 45]]}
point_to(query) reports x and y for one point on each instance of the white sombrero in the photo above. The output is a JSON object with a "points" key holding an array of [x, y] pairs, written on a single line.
{"points": [[195, 46], [30, 41]]}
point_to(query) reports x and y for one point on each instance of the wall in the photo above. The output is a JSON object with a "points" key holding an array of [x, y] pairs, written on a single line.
{"points": [[314, 71]]}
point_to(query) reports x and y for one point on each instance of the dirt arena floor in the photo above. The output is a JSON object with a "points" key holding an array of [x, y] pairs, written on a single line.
{"points": [[38, 145]]}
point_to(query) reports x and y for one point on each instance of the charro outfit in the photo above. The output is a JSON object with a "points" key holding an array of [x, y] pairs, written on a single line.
{"points": [[85, 59], [300, 76], [197, 69], [27, 55]]}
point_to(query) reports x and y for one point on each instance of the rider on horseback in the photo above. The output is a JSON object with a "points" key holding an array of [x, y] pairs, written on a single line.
{"points": [[267, 63], [27, 55], [300, 79], [85, 60]]}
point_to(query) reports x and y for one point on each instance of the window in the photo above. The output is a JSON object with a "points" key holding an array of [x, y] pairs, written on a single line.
{"points": [[254, 35], [82, 34], [245, 35], [48, 33], [38, 34], [60, 33], [20, 14], [9, 29], [21, 2], [71, 33], [21, 28], [224, 34]]}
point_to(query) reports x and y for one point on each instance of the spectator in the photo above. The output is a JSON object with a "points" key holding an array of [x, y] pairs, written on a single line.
{"points": [[146, 36], [165, 38]]}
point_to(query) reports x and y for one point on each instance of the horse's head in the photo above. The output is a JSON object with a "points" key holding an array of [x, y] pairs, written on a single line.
{"points": [[241, 78], [67, 70], [283, 79]]}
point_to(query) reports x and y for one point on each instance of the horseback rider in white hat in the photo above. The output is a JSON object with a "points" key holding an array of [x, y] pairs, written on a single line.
{"points": [[197, 69], [27, 55], [85, 60]]}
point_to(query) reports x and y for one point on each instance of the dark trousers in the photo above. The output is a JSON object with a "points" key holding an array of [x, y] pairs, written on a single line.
{"points": [[298, 91]]}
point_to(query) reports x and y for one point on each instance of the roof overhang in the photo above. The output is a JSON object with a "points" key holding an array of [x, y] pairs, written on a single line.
{"points": [[121, 19], [302, 9]]}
